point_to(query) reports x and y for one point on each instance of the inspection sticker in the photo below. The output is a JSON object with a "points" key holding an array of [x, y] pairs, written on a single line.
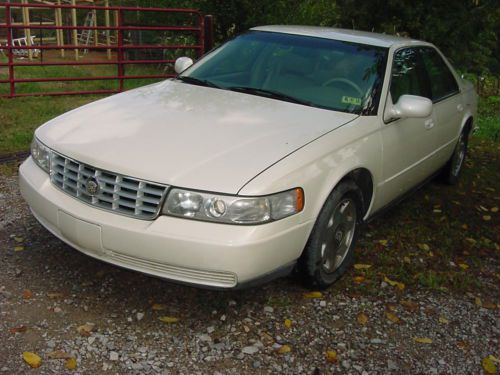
{"points": [[351, 100]]}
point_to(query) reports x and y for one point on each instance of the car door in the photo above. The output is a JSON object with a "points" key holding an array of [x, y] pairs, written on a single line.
{"points": [[407, 142], [447, 106]]}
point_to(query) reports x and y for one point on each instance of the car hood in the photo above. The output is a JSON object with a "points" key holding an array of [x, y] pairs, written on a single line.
{"points": [[187, 136]]}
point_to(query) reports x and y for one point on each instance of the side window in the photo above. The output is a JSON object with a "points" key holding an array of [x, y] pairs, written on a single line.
{"points": [[442, 82], [408, 77]]}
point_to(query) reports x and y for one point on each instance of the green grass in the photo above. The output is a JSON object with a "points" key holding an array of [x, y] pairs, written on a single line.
{"points": [[489, 118]]}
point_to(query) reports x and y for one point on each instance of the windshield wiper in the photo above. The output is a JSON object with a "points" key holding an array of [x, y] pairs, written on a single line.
{"points": [[271, 94], [197, 81]]}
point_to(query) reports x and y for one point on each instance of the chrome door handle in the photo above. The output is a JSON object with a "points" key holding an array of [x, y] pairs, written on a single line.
{"points": [[429, 124], [460, 108]]}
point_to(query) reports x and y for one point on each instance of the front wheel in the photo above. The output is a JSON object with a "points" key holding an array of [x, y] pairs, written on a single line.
{"points": [[330, 249]]}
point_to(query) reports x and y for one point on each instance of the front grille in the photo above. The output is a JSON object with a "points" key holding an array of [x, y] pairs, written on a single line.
{"points": [[117, 193]]}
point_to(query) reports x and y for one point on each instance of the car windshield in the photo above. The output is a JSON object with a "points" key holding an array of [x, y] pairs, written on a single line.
{"points": [[317, 72]]}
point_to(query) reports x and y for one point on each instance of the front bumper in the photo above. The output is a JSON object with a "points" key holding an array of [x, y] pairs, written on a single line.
{"points": [[186, 251]]}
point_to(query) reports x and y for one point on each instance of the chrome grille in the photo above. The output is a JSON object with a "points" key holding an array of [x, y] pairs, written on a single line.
{"points": [[117, 193]]}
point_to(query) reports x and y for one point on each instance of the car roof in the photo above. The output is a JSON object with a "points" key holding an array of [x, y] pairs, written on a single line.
{"points": [[355, 36]]}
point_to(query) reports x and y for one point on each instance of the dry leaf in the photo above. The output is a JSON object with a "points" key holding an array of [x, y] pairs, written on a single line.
{"points": [[284, 349], [18, 239], [470, 240], [489, 366], [397, 284], [489, 305], [331, 356], [383, 242], [477, 301], [59, 354], [288, 323], [423, 246], [423, 340], [392, 317], [486, 217], [362, 318], [360, 266], [54, 295], [85, 329], [358, 279], [27, 294], [70, 364], [407, 260], [158, 307], [19, 329], [18, 248], [168, 319], [409, 305], [494, 209], [313, 295], [32, 359], [443, 320], [463, 266]]}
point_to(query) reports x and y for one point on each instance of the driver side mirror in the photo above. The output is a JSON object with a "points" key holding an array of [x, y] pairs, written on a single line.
{"points": [[182, 63], [411, 106]]}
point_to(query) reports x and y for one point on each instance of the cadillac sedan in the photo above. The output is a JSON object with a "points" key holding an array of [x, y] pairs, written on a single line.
{"points": [[264, 156]]}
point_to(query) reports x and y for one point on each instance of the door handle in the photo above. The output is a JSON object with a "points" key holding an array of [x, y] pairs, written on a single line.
{"points": [[429, 124], [460, 108]]}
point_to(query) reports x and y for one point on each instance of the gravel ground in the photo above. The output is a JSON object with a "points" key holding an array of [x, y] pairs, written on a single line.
{"points": [[54, 299]]}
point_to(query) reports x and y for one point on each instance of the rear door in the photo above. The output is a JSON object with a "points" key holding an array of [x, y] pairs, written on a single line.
{"points": [[447, 105]]}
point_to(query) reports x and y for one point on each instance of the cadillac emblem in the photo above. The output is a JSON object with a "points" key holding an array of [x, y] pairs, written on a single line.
{"points": [[92, 186]]}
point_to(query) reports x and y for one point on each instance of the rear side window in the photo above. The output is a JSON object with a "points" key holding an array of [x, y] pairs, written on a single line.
{"points": [[442, 81], [408, 75]]}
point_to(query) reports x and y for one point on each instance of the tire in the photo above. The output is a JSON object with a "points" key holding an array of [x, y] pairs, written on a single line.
{"points": [[329, 252], [454, 167]]}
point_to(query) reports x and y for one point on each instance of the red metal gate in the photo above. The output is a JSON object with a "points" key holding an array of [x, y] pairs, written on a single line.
{"points": [[120, 49]]}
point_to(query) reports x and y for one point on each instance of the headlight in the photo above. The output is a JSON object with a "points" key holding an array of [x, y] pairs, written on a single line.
{"points": [[40, 154], [233, 209]]}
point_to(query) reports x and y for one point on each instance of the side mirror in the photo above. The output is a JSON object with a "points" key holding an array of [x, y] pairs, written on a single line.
{"points": [[412, 106], [182, 63]]}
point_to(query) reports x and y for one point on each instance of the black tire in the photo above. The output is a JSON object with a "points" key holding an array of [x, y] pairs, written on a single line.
{"points": [[453, 169], [329, 252]]}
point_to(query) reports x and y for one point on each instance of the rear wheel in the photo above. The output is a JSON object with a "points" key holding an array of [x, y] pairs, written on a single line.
{"points": [[452, 171], [330, 249]]}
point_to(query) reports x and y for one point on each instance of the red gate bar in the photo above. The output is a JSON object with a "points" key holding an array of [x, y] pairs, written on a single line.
{"points": [[120, 47]]}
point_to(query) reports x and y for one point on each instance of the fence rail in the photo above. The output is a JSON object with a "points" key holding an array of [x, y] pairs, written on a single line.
{"points": [[193, 22]]}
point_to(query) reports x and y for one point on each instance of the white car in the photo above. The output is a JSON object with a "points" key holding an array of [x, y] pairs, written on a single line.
{"points": [[265, 155]]}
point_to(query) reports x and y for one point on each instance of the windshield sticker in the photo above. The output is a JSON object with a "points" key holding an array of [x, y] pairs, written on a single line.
{"points": [[351, 100]]}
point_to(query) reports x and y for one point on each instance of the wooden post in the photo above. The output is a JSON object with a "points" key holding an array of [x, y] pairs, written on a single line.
{"points": [[59, 22], [75, 31], [108, 23], [96, 32], [27, 30]]}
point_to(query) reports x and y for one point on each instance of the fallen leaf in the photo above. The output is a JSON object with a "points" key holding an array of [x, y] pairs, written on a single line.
{"points": [[383, 242], [362, 318], [397, 284], [486, 217], [84, 330], [288, 323], [392, 317], [70, 364], [313, 295], [463, 266], [489, 366], [423, 340], [18, 248], [32, 359], [59, 354], [360, 266], [494, 209], [358, 279], [409, 305], [158, 307], [407, 260], [478, 302], [423, 246], [18, 239], [19, 329], [443, 320], [493, 358], [489, 305], [470, 240], [27, 294], [54, 295], [284, 349], [331, 356], [168, 319], [465, 226]]}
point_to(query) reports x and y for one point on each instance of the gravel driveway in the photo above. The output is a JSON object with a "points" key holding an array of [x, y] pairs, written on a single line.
{"points": [[56, 302]]}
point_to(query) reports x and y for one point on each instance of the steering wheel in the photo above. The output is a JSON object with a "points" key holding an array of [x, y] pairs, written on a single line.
{"points": [[346, 82]]}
